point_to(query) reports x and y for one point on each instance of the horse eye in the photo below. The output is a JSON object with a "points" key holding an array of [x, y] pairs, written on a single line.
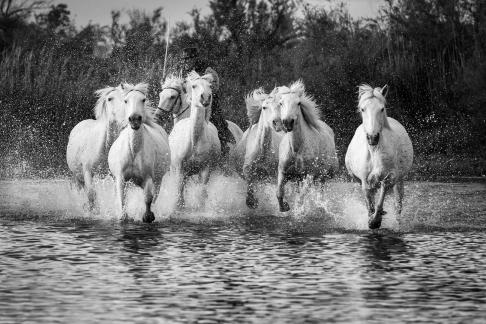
{"points": [[382, 109], [126, 101], [362, 109], [194, 86], [143, 100], [172, 97], [109, 99]]}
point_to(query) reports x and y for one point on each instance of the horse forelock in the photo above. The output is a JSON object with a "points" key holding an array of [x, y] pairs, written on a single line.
{"points": [[366, 92], [297, 87], [100, 107], [192, 76]]}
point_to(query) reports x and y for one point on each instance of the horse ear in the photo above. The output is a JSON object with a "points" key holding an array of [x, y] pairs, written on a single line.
{"points": [[184, 86], [384, 90]]}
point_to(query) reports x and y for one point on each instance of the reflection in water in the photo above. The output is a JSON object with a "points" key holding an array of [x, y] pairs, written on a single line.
{"points": [[238, 266]]}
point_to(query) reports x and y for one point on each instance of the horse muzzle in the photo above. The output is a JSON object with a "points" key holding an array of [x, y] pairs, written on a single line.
{"points": [[165, 109], [135, 121], [373, 139], [277, 125], [288, 124]]}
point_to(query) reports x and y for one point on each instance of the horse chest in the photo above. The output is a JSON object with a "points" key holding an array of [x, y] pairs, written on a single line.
{"points": [[380, 166], [135, 169]]}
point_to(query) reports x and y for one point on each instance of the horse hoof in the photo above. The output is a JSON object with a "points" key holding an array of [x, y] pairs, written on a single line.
{"points": [[124, 218], [375, 221], [284, 207], [252, 202], [148, 217]]}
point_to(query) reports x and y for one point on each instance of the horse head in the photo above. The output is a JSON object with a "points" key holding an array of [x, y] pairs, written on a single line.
{"points": [[372, 109], [290, 104], [257, 112], [173, 95], [110, 105], [201, 89], [135, 97]]}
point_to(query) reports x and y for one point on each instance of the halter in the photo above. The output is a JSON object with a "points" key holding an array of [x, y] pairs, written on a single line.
{"points": [[179, 97], [135, 90]]}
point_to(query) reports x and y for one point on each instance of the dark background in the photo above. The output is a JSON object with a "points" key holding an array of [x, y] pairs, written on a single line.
{"points": [[431, 53]]}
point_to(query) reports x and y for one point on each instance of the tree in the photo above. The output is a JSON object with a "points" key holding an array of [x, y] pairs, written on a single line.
{"points": [[13, 16]]}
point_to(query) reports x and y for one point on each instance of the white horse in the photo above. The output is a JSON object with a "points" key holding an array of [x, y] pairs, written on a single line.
{"points": [[380, 153], [256, 154], [175, 98], [194, 143], [91, 139], [307, 148], [141, 152]]}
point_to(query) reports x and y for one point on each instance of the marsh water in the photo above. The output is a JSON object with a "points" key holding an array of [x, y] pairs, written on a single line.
{"points": [[224, 263]]}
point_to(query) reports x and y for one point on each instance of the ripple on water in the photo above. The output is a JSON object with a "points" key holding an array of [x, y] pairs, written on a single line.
{"points": [[229, 264]]}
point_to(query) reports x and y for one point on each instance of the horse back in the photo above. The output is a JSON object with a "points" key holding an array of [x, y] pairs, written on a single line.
{"points": [[85, 147]]}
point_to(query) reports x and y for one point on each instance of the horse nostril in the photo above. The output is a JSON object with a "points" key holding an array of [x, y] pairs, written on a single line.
{"points": [[135, 118], [288, 123], [373, 139]]}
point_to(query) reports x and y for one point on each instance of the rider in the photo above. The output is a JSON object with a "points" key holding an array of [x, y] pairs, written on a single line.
{"points": [[192, 61]]}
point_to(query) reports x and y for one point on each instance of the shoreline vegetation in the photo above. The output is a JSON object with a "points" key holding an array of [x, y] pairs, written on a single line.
{"points": [[431, 53]]}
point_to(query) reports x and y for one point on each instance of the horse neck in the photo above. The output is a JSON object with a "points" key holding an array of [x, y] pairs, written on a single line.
{"points": [[111, 134], [264, 136], [186, 112], [135, 139], [297, 134], [198, 122]]}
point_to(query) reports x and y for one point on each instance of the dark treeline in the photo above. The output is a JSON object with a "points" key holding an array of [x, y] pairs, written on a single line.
{"points": [[431, 53]]}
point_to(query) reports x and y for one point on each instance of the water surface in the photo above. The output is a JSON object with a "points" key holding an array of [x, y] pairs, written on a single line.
{"points": [[228, 264]]}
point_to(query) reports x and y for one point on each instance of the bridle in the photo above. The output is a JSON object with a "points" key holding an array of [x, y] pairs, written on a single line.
{"points": [[178, 98]]}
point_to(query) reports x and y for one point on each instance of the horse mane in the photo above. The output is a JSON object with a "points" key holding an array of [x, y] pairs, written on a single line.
{"points": [[100, 107], [254, 105], [173, 81], [367, 92], [310, 109], [149, 109]]}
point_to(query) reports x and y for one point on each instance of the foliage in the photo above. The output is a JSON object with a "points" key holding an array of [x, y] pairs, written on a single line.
{"points": [[430, 52]]}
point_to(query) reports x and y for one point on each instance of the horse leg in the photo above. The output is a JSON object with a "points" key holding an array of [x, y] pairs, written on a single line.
{"points": [[181, 179], [90, 191], [284, 206], [375, 220], [204, 174], [121, 193], [398, 191], [148, 191], [251, 200], [369, 195]]}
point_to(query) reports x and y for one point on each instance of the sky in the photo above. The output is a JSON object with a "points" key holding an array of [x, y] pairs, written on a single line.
{"points": [[98, 11]]}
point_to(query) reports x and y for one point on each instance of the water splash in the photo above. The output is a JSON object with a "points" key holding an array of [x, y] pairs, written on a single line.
{"points": [[334, 205]]}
